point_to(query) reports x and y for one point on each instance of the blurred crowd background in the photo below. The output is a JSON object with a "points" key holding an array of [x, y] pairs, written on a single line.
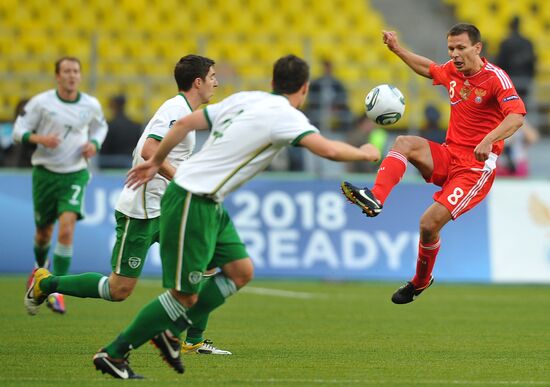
{"points": [[128, 49]]}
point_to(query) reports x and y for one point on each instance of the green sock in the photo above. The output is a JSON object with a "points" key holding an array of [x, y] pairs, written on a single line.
{"points": [[164, 312], [196, 330], [211, 296], [62, 259], [49, 285], [80, 285], [41, 254]]}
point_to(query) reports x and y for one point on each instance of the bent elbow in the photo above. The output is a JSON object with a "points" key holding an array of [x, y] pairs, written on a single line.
{"points": [[520, 121], [145, 155]]}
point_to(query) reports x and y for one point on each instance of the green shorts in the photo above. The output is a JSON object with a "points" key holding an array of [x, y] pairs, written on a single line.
{"points": [[196, 233], [54, 193], [133, 239]]}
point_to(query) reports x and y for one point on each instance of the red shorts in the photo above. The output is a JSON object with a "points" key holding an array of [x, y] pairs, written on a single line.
{"points": [[464, 181]]}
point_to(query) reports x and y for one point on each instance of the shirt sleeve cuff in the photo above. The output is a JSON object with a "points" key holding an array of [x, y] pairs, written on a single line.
{"points": [[26, 138], [97, 147], [296, 141], [155, 137]]}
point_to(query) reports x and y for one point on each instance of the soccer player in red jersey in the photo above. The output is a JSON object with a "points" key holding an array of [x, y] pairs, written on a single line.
{"points": [[485, 109]]}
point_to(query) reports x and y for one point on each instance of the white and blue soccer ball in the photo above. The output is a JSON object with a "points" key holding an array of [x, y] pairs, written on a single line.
{"points": [[385, 104]]}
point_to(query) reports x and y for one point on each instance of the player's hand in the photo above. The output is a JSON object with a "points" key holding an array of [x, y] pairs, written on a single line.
{"points": [[49, 140], [141, 174], [89, 150], [482, 150], [390, 39], [371, 152]]}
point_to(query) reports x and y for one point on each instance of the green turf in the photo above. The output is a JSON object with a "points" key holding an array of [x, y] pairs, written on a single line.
{"points": [[343, 334]]}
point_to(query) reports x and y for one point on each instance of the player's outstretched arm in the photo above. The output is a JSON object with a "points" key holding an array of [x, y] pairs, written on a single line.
{"points": [[149, 148], [143, 173], [419, 64], [193, 121], [505, 129], [338, 150]]}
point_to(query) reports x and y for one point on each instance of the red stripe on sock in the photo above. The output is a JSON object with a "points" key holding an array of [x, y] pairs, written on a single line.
{"points": [[427, 253], [391, 171]]}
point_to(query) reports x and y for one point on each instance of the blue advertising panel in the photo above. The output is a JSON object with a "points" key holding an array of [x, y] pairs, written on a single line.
{"points": [[292, 229], [307, 229]]}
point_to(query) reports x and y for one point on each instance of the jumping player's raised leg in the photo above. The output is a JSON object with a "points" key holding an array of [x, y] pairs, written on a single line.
{"points": [[413, 149]]}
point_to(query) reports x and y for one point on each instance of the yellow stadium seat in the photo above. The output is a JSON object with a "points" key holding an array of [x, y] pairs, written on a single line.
{"points": [[142, 40]]}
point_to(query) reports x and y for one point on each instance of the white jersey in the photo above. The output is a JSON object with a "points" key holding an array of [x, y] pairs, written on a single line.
{"points": [[248, 129], [75, 123], [144, 202]]}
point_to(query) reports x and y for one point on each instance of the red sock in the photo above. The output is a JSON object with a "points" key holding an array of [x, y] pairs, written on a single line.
{"points": [[427, 254], [391, 171]]}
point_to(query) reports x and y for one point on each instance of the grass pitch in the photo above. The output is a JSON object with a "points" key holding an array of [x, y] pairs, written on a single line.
{"points": [[292, 333]]}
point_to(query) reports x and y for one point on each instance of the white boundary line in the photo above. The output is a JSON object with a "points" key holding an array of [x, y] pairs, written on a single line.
{"points": [[281, 293]]}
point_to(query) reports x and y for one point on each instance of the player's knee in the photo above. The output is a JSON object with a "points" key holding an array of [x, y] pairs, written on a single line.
{"points": [[403, 145], [42, 240], [120, 290], [243, 277], [43, 236], [120, 294], [65, 235], [187, 300], [428, 229]]}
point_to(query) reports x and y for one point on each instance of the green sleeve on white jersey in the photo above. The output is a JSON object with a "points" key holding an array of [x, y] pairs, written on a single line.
{"points": [[27, 121], [291, 126], [162, 121], [221, 110], [97, 146], [26, 138], [155, 137], [296, 141]]}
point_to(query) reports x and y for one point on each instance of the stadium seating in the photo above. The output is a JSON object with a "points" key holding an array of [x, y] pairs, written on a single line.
{"points": [[131, 46]]}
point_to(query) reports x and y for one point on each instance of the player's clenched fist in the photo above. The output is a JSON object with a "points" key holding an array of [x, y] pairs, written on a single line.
{"points": [[372, 153], [390, 39]]}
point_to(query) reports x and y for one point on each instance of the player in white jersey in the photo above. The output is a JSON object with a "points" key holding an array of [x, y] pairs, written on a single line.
{"points": [[68, 128], [247, 130], [137, 211]]}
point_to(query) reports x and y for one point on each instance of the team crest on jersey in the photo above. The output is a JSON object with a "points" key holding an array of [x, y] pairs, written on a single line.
{"points": [[195, 277], [465, 92], [171, 124], [134, 262], [480, 93]]}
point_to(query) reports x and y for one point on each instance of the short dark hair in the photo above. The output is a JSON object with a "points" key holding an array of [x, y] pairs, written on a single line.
{"points": [[470, 29], [64, 58], [189, 68], [289, 74]]}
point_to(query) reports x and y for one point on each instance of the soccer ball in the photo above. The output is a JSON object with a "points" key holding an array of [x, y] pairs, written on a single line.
{"points": [[385, 104]]}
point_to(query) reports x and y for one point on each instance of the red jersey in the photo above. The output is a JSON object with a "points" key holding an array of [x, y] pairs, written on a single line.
{"points": [[479, 102]]}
